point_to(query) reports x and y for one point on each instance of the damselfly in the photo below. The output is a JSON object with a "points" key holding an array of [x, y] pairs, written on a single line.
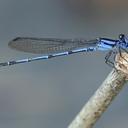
{"points": [[52, 47]]}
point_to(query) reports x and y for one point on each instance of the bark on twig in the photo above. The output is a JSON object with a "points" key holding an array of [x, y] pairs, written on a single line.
{"points": [[102, 98]]}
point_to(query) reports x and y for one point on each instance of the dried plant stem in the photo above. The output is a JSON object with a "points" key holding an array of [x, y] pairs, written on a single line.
{"points": [[102, 98]]}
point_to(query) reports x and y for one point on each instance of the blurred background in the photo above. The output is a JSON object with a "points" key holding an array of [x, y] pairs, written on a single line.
{"points": [[50, 93]]}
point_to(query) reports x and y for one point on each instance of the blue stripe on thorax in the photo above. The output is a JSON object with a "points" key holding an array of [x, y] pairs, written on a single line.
{"points": [[106, 44]]}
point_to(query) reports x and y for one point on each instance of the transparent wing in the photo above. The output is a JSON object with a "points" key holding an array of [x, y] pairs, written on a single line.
{"points": [[49, 45]]}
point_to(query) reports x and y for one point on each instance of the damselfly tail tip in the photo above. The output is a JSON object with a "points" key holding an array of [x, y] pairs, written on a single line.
{"points": [[4, 64]]}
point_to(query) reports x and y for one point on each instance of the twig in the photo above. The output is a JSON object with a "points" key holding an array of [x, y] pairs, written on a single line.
{"points": [[102, 98]]}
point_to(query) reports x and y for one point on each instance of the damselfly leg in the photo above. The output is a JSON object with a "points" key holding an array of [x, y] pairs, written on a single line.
{"points": [[110, 58], [111, 55]]}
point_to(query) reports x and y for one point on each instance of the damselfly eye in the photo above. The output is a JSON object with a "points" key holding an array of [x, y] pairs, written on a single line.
{"points": [[121, 36]]}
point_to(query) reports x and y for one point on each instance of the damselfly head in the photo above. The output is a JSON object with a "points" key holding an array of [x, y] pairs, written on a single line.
{"points": [[122, 37], [123, 40]]}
